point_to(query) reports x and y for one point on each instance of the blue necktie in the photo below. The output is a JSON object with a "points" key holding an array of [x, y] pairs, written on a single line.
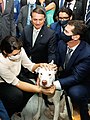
{"points": [[30, 8], [61, 3], [88, 14]]}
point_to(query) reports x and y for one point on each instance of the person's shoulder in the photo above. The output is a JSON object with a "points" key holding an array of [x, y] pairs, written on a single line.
{"points": [[24, 7], [28, 27], [55, 24]]}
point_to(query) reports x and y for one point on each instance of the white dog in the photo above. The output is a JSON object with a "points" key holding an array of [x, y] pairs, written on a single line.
{"points": [[47, 77]]}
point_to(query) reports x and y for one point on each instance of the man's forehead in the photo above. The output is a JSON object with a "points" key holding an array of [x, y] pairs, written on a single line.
{"points": [[69, 27], [34, 14], [61, 14]]}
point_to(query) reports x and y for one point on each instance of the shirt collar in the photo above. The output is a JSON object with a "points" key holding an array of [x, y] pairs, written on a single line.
{"points": [[37, 30], [73, 48], [72, 2]]}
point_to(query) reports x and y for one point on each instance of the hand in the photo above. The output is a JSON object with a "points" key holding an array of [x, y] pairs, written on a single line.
{"points": [[49, 91], [49, 66], [38, 82]]}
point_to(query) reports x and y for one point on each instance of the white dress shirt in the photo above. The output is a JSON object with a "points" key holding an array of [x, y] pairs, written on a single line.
{"points": [[35, 34]]}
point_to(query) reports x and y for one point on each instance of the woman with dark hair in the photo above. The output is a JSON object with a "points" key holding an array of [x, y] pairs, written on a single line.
{"points": [[50, 8], [15, 88]]}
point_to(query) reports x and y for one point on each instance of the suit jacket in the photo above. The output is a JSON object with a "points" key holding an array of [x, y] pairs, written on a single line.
{"points": [[7, 23], [44, 47], [78, 9], [22, 18], [78, 68], [57, 28]]}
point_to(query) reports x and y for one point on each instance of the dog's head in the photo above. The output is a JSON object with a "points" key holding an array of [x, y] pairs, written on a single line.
{"points": [[46, 77]]}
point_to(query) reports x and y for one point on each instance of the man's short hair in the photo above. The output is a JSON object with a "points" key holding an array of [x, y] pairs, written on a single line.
{"points": [[80, 27], [66, 10], [39, 10]]}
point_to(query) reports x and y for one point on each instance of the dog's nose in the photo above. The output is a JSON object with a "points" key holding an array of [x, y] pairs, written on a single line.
{"points": [[44, 82]]}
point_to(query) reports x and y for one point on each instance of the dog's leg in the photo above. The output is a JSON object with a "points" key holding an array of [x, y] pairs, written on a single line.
{"points": [[40, 102], [56, 101]]}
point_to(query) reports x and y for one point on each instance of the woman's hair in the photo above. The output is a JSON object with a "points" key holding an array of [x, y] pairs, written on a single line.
{"points": [[9, 44]]}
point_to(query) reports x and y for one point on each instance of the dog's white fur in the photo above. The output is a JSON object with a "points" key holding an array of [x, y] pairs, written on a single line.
{"points": [[47, 78]]}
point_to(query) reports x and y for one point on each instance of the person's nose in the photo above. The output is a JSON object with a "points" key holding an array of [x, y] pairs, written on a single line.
{"points": [[38, 22]]}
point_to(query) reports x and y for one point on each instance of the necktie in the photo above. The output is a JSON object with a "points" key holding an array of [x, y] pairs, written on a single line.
{"points": [[68, 55], [35, 34], [2, 7], [61, 3], [88, 13], [30, 8]]}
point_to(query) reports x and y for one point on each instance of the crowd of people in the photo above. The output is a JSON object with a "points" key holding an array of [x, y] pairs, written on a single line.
{"points": [[32, 34]]}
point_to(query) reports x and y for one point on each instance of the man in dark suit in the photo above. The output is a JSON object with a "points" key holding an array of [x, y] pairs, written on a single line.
{"points": [[77, 6], [24, 17], [7, 24], [75, 71], [39, 40], [64, 15]]}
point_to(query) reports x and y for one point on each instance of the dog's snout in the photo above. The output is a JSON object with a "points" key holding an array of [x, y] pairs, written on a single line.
{"points": [[44, 82]]}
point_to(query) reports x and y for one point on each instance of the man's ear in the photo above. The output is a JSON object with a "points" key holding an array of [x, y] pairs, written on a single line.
{"points": [[71, 17], [76, 37]]}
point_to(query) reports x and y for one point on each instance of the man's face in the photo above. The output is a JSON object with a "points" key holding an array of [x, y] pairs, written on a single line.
{"points": [[63, 16], [68, 30], [37, 20]]}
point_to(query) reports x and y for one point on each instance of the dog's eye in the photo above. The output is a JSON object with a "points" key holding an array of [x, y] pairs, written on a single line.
{"points": [[49, 74]]}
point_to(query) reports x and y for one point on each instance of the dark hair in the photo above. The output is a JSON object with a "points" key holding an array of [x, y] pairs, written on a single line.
{"points": [[46, 2], [66, 10], [80, 27], [39, 10], [10, 43]]}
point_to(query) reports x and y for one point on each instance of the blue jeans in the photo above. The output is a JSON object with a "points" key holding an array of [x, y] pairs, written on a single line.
{"points": [[3, 112]]}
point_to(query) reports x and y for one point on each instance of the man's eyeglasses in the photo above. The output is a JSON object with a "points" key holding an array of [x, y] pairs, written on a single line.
{"points": [[63, 18]]}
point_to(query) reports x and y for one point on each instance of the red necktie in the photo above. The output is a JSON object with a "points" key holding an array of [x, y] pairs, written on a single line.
{"points": [[2, 7]]}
